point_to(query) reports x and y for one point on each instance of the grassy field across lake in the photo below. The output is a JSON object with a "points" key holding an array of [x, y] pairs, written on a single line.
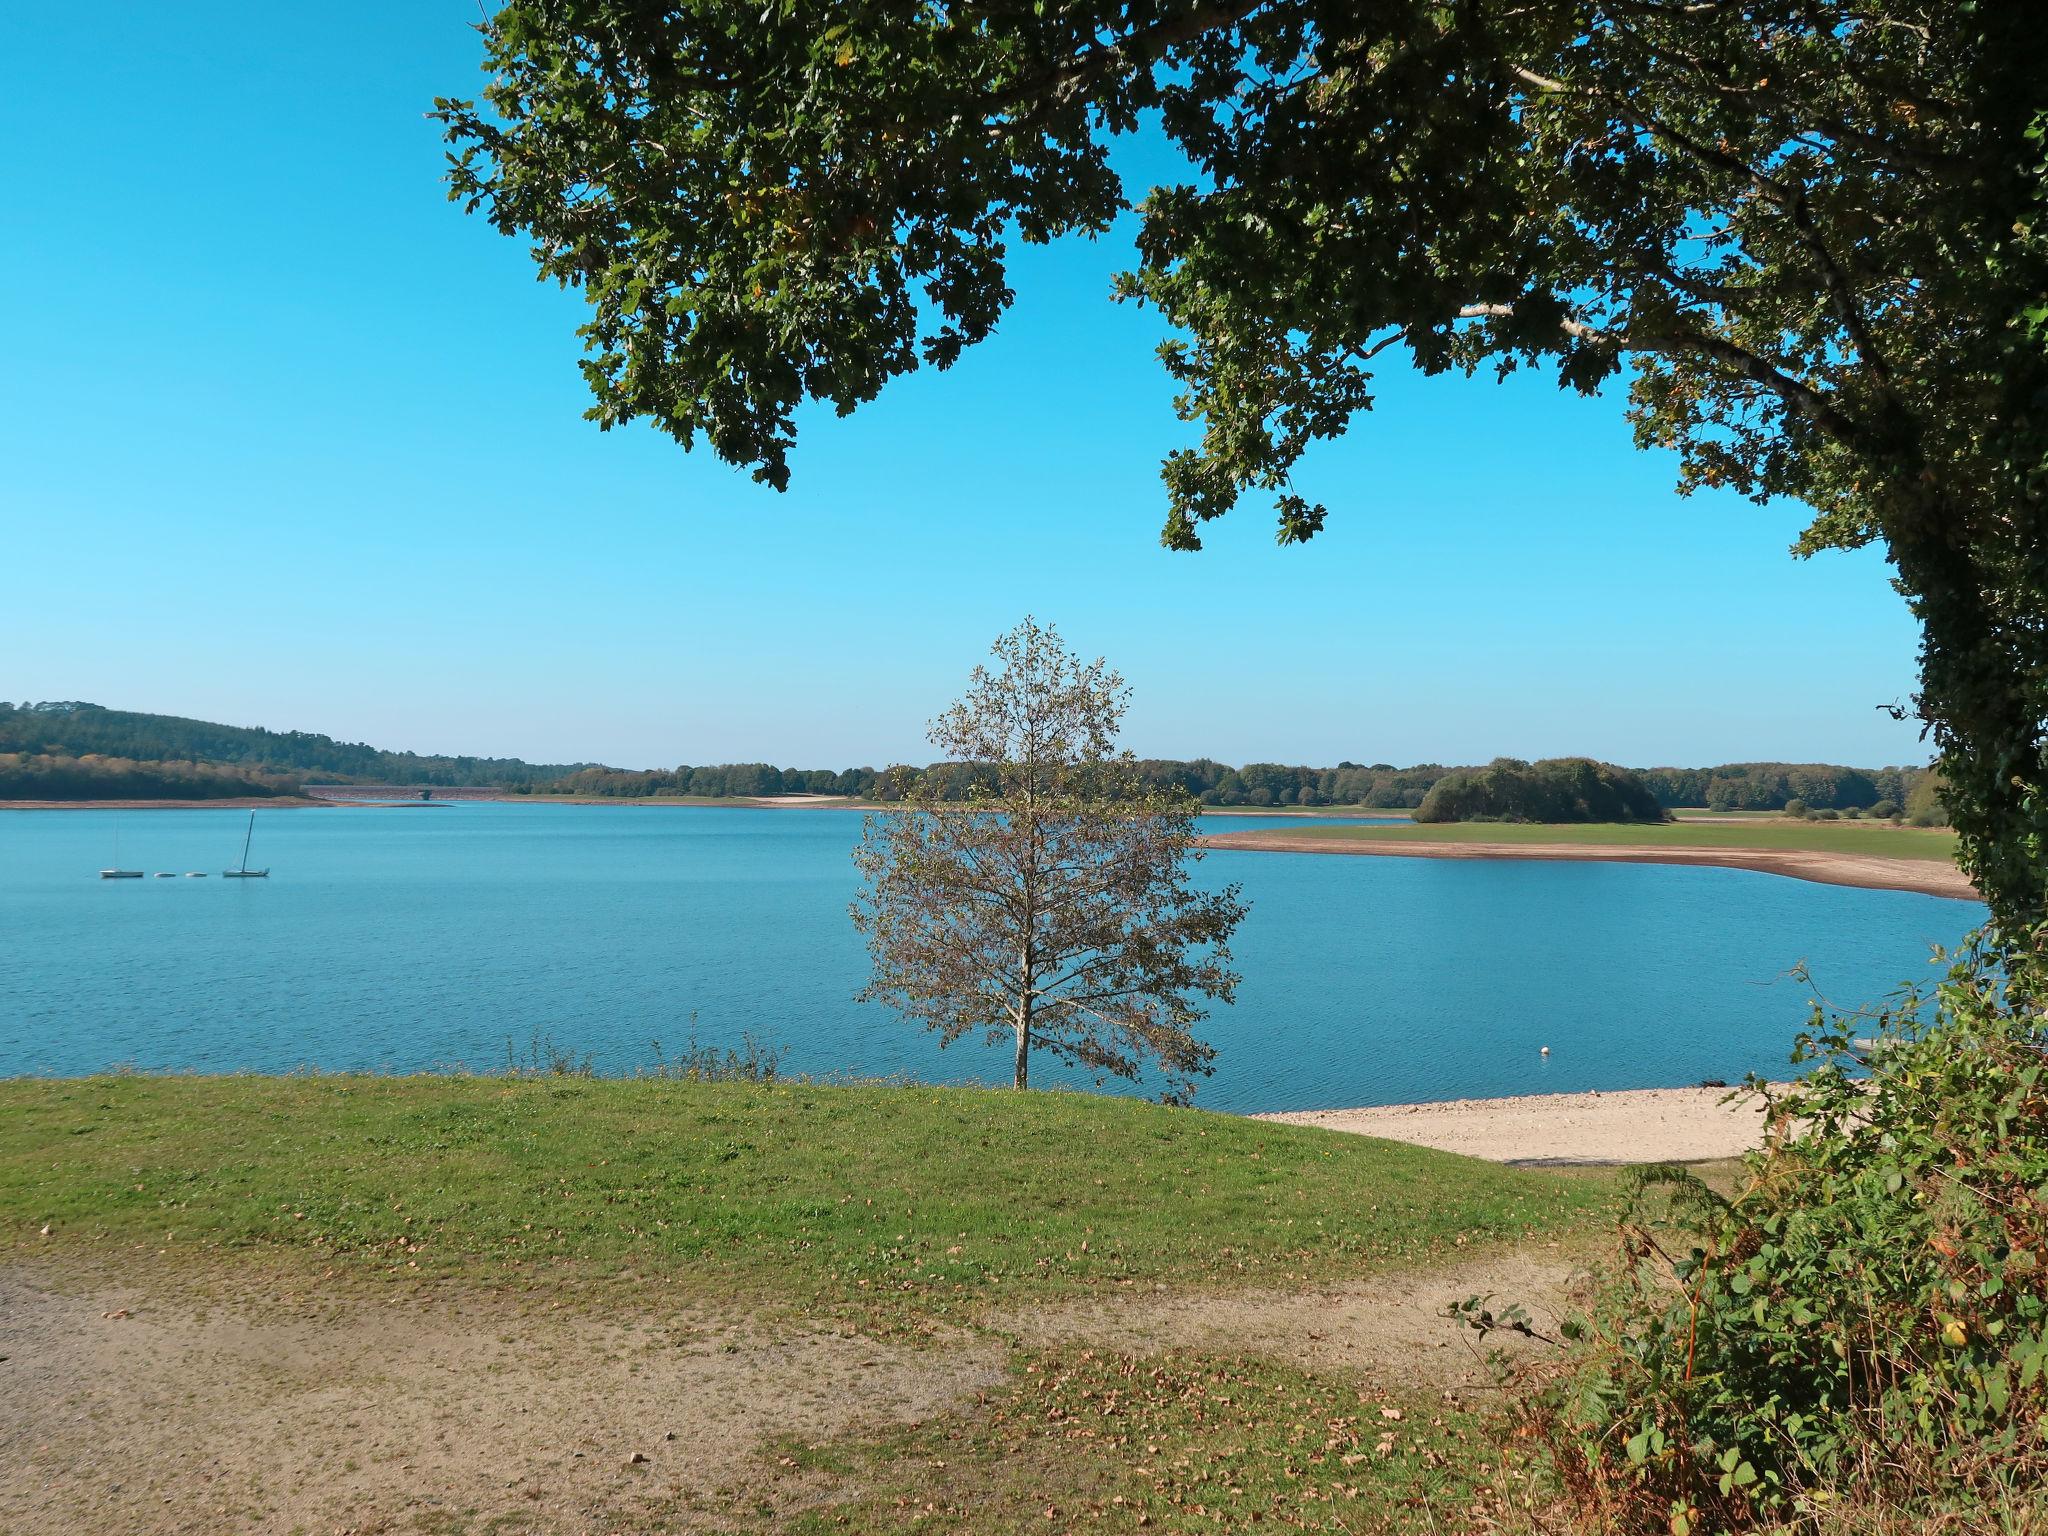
{"points": [[1869, 839], [941, 1200]]}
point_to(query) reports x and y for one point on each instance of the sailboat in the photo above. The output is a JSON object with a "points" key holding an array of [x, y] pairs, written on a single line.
{"points": [[245, 872], [117, 872]]}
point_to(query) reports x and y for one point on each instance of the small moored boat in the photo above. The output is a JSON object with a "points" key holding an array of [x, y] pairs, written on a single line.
{"points": [[245, 872], [117, 872]]}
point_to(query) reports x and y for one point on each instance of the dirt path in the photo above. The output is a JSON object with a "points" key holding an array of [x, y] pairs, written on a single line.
{"points": [[1389, 1327], [125, 1410], [1929, 877]]}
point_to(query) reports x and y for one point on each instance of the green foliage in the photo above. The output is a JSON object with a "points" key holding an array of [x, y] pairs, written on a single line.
{"points": [[1769, 786], [1926, 803], [1559, 789], [46, 776], [1055, 909], [1812, 235], [1867, 1318], [1381, 786], [89, 731]]}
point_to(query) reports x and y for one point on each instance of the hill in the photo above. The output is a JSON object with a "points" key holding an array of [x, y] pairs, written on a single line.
{"points": [[74, 751], [79, 751]]}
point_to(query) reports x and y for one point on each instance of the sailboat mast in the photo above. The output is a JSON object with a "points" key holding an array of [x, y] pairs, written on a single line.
{"points": [[245, 839]]}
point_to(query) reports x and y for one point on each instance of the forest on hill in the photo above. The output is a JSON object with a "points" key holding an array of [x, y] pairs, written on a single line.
{"points": [[77, 751]]}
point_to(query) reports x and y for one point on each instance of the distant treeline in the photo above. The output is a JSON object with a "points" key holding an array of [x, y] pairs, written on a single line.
{"points": [[1375, 786], [80, 751], [41, 776], [1212, 783], [739, 781], [1557, 790], [1768, 786], [88, 731]]}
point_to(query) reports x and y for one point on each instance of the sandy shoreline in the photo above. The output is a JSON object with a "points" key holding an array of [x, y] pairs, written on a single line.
{"points": [[1927, 877], [1636, 1125]]}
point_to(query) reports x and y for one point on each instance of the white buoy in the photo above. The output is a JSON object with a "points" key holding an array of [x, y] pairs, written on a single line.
{"points": [[1546, 1050]]}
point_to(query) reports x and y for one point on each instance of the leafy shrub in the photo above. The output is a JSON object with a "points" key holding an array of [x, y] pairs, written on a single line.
{"points": [[1925, 806], [1865, 1323], [1885, 810], [1795, 808]]}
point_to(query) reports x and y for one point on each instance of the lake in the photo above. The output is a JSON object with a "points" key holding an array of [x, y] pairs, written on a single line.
{"points": [[406, 938]]}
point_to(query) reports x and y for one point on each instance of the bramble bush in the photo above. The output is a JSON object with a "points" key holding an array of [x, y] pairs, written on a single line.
{"points": [[1864, 1324]]}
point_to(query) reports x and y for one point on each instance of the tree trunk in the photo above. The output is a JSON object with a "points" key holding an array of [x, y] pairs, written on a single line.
{"points": [[1981, 692], [1024, 1044]]}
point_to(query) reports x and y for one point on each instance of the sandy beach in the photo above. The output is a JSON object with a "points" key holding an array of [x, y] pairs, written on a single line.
{"points": [[1637, 1125], [1928, 877]]}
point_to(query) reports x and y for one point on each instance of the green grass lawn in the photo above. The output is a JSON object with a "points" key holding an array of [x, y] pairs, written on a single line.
{"points": [[944, 1200], [1815, 836]]}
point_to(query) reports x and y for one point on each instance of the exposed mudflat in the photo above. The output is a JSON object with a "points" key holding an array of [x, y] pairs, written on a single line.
{"points": [[1928, 877]]}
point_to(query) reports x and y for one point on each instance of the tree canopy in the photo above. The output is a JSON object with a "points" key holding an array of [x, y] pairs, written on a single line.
{"points": [[1810, 233], [1056, 909], [1559, 789]]}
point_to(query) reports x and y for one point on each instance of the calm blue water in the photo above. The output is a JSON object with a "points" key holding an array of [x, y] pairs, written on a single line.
{"points": [[408, 938]]}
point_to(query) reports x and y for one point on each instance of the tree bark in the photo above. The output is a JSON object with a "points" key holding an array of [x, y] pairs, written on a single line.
{"points": [[1024, 1044], [1980, 684]]}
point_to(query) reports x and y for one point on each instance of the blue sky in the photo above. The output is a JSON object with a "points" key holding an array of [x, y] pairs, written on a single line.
{"points": [[285, 439]]}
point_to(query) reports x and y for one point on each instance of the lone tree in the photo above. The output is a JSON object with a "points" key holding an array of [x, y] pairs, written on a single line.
{"points": [[1810, 230], [1053, 908]]}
